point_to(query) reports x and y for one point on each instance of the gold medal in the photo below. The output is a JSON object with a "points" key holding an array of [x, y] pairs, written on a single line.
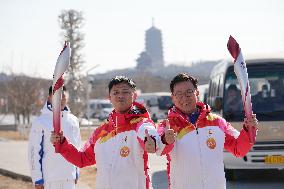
{"points": [[211, 143], [124, 151]]}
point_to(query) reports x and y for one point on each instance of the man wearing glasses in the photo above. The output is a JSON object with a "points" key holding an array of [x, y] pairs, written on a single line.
{"points": [[196, 156], [118, 147]]}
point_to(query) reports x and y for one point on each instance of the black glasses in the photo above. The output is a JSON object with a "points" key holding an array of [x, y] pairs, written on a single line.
{"points": [[187, 93]]}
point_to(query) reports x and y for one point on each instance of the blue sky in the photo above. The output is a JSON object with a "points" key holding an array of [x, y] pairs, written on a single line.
{"points": [[115, 30]]}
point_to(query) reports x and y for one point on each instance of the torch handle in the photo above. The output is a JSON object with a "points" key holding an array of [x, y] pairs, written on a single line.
{"points": [[56, 109], [57, 147]]}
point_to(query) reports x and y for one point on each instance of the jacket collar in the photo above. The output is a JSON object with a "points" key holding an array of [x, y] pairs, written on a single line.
{"points": [[204, 110], [47, 108], [136, 110]]}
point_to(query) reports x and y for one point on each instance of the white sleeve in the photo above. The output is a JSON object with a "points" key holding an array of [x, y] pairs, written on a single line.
{"points": [[152, 132], [77, 136], [35, 152], [77, 142]]}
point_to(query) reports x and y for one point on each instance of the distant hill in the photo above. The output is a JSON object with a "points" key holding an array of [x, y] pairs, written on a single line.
{"points": [[201, 70], [155, 79], [4, 77], [149, 80]]}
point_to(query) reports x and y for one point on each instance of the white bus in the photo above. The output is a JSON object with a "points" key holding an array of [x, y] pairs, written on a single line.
{"points": [[203, 92], [156, 103], [266, 77]]}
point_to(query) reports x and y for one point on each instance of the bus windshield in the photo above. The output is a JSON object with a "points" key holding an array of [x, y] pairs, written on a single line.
{"points": [[267, 93]]}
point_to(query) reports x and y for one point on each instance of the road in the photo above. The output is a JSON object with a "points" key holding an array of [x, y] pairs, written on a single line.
{"points": [[16, 161], [248, 179]]}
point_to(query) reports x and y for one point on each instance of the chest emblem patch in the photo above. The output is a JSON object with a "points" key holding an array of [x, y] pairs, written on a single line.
{"points": [[211, 143], [124, 151]]}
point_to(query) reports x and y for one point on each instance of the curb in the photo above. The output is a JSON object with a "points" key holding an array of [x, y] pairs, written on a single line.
{"points": [[15, 175]]}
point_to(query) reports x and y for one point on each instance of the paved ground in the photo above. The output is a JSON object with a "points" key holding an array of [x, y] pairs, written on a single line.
{"points": [[158, 172], [14, 159]]}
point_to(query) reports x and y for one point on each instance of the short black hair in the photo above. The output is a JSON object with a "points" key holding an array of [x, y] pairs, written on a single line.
{"points": [[50, 89], [183, 77], [121, 79]]}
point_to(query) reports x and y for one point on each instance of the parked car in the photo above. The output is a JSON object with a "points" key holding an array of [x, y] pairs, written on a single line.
{"points": [[99, 108]]}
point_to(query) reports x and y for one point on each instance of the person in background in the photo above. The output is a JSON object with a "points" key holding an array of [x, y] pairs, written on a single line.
{"points": [[233, 101], [50, 170]]}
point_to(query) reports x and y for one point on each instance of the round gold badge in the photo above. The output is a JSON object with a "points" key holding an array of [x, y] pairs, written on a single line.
{"points": [[124, 151], [211, 143]]}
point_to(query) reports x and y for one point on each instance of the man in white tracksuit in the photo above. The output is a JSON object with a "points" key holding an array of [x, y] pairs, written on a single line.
{"points": [[50, 170]]}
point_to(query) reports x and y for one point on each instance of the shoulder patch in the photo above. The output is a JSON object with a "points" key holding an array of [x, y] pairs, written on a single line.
{"points": [[106, 136], [136, 120], [211, 117], [184, 131]]}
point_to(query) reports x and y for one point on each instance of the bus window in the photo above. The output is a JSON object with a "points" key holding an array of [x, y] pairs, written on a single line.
{"points": [[203, 92], [267, 93], [215, 89]]}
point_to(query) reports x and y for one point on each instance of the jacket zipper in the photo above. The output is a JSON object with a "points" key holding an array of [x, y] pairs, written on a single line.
{"points": [[200, 155], [196, 128]]}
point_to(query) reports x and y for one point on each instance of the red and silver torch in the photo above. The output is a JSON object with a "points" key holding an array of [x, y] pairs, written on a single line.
{"points": [[60, 67], [240, 70]]}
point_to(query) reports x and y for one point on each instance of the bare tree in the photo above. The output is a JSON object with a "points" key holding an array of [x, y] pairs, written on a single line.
{"points": [[71, 22], [25, 96]]}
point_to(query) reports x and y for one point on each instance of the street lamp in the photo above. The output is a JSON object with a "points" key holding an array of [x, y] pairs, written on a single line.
{"points": [[89, 87]]}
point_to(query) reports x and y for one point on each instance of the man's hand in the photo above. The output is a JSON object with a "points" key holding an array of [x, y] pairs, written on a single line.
{"points": [[150, 143], [251, 122], [39, 186], [170, 135], [56, 138]]}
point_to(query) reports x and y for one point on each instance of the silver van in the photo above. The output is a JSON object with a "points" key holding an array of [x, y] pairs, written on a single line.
{"points": [[99, 108]]}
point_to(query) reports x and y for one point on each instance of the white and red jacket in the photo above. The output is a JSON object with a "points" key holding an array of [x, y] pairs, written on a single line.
{"points": [[196, 157], [117, 149], [46, 165]]}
